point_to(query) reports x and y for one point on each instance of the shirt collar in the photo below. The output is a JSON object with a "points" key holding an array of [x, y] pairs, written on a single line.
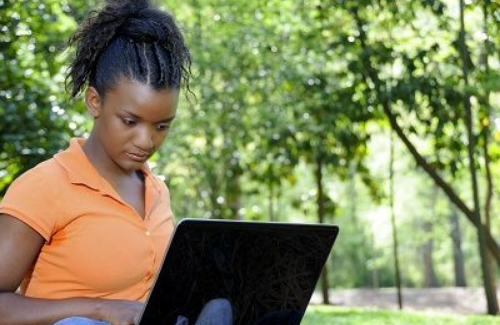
{"points": [[81, 171]]}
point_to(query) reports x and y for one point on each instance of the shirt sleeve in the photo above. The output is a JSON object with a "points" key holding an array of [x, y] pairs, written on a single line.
{"points": [[30, 199]]}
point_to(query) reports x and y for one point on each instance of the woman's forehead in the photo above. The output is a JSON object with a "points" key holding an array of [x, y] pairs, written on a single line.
{"points": [[141, 99]]}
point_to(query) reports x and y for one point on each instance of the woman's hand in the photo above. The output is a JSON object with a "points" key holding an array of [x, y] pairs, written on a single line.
{"points": [[120, 312]]}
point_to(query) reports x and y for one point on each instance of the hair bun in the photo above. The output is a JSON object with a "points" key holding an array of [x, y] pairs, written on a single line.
{"points": [[142, 30], [125, 8], [136, 20], [118, 13]]}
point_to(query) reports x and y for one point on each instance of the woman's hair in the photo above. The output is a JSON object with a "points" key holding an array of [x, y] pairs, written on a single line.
{"points": [[128, 38]]}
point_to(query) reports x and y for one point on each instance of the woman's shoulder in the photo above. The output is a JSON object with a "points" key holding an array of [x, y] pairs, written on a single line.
{"points": [[44, 178], [47, 172], [35, 197]]}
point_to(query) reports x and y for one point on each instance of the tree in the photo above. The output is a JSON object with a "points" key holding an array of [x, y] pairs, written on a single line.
{"points": [[397, 269], [36, 117], [419, 94]]}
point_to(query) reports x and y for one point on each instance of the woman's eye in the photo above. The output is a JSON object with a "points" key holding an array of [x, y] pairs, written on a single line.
{"points": [[162, 127], [128, 121]]}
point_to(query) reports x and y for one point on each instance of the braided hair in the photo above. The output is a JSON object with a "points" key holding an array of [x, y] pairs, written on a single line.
{"points": [[128, 38]]}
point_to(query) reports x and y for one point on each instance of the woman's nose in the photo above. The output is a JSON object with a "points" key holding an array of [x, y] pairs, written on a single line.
{"points": [[145, 140]]}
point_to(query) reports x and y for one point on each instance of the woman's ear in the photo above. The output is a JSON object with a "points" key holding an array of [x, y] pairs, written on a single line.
{"points": [[93, 102]]}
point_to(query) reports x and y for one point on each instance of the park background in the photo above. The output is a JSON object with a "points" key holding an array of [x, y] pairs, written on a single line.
{"points": [[380, 116]]}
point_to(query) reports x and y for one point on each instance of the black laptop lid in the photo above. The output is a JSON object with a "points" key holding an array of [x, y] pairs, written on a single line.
{"points": [[264, 270]]}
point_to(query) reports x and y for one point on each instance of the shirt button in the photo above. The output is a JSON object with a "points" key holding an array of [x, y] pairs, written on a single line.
{"points": [[148, 233]]}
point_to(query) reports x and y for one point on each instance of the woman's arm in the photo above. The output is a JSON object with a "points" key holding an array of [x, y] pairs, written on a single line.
{"points": [[19, 248]]}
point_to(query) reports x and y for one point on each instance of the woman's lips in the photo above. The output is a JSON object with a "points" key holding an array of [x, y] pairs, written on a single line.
{"points": [[137, 157]]}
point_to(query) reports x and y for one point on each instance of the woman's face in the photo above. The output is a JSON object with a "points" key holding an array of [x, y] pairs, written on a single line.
{"points": [[131, 121]]}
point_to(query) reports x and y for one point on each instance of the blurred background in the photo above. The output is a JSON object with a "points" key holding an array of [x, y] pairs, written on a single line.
{"points": [[380, 116]]}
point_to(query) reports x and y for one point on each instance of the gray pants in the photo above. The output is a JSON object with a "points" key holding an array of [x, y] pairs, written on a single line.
{"points": [[215, 312]]}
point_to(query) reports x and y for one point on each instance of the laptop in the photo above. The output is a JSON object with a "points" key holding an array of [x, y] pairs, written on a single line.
{"points": [[267, 272]]}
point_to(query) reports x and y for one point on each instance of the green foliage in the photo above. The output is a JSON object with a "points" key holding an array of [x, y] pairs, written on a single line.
{"points": [[34, 123], [280, 85], [256, 117]]}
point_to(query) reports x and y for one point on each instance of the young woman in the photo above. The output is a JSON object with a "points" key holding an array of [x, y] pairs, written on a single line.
{"points": [[83, 234]]}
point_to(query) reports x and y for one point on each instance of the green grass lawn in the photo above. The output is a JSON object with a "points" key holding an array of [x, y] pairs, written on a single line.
{"points": [[326, 315]]}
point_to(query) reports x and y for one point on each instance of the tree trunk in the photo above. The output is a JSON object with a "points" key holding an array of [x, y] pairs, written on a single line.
{"points": [[395, 249], [271, 200], [320, 202], [486, 267], [362, 253], [458, 258], [234, 196], [278, 202], [486, 127], [430, 278]]}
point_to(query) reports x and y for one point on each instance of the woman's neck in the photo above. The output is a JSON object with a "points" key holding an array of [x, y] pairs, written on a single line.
{"points": [[101, 161]]}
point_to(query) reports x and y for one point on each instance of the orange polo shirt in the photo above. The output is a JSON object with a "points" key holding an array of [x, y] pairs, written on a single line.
{"points": [[96, 245]]}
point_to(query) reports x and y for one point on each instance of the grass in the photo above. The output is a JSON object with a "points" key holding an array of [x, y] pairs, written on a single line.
{"points": [[327, 315]]}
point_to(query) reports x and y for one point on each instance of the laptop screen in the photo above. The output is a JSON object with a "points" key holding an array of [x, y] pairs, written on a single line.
{"points": [[265, 272]]}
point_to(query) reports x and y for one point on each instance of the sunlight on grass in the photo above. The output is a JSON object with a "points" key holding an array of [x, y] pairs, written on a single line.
{"points": [[326, 315]]}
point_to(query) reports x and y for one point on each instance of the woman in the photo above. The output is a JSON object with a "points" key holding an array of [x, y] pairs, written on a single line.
{"points": [[83, 233]]}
